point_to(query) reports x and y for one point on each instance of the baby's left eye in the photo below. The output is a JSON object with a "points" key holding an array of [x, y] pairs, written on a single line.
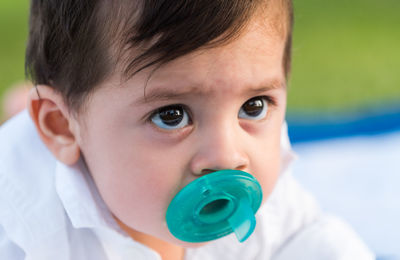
{"points": [[254, 109]]}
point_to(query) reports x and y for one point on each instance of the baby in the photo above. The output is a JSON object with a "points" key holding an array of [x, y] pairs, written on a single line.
{"points": [[134, 100]]}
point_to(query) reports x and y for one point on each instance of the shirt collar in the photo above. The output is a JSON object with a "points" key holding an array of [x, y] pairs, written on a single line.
{"points": [[81, 199]]}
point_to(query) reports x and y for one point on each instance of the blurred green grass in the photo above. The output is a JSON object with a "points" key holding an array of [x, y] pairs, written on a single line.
{"points": [[13, 33], [345, 53]]}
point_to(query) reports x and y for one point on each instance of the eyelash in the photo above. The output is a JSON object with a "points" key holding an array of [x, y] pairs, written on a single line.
{"points": [[270, 102]]}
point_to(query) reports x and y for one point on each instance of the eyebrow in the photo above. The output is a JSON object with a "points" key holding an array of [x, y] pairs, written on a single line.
{"points": [[162, 94]]}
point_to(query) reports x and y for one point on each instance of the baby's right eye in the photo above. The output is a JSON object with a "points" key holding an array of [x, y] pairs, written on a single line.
{"points": [[171, 117]]}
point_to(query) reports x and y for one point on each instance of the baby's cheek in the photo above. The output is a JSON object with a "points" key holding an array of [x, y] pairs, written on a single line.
{"points": [[157, 190], [148, 197], [268, 182], [136, 207], [267, 171]]}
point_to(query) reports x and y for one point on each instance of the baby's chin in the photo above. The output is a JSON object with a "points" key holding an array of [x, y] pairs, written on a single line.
{"points": [[190, 245], [173, 240]]}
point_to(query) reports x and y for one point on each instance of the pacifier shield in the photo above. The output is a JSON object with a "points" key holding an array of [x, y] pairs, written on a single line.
{"points": [[214, 206]]}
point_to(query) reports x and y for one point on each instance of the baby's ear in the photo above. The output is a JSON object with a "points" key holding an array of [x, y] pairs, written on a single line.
{"points": [[54, 123]]}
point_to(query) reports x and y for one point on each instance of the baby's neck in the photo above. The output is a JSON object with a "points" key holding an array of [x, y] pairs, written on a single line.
{"points": [[166, 250]]}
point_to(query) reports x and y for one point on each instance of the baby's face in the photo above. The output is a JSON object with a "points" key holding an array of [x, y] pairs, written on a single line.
{"points": [[219, 108]]}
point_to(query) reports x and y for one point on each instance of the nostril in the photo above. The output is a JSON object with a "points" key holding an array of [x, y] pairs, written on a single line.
{"points": [[241, 168], [207, 171]]}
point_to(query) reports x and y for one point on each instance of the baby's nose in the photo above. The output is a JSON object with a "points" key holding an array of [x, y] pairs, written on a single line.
{"points": [[222, 149]]}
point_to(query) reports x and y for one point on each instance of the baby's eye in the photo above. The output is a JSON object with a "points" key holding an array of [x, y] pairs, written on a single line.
{"points": [[255, 108], [171, 117]]}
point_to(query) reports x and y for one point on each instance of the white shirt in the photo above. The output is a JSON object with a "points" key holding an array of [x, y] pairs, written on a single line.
{"points": [[49, 210]]}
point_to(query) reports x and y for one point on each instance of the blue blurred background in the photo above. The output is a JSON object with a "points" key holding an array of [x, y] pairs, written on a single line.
{"points": [[343, 107]]}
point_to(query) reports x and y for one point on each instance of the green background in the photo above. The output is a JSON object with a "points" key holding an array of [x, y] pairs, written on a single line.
{"points": [[345, 55]]}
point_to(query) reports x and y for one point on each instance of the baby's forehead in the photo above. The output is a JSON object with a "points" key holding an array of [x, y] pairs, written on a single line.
{"points": [[239, 70]]}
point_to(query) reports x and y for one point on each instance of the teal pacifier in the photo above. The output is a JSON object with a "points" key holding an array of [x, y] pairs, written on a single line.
{"points": [[214, 206]]}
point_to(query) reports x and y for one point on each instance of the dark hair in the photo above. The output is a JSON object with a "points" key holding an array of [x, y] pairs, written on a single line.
{"points": [[75, 44]]}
